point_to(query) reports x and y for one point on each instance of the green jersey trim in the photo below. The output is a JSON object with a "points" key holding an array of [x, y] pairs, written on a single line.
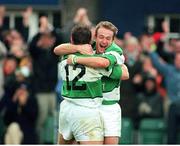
{"points": [[109, 84], [82, 97], [92, 90], [112, 60], [111, 102]]}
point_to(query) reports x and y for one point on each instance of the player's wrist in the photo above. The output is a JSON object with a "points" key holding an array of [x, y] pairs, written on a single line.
{"points": [[78, 48], [74, 59]]}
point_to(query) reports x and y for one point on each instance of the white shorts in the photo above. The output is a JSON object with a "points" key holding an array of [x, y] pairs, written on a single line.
{"points": [[79, 122], [111, 115]]}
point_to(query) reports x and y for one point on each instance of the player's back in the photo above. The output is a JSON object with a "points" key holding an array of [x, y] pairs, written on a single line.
{"points": [[81, 85]]}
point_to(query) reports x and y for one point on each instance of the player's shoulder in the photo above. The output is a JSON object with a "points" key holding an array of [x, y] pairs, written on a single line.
{"points": [[114, 47]]}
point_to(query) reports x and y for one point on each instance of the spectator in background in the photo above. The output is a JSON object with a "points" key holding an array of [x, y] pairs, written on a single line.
{"points": [[17, 46], [146, 42], [81, 17], [167, 48], [128, 88], [44, 25], [168, 70], [22, 28], [147, 69], [13, 39], [166, 43], [132, 53], [163, 34], [20, 117], [150, 103], [44, 71], [16, 70], [9, 69], [14, 74], [171, 74]]}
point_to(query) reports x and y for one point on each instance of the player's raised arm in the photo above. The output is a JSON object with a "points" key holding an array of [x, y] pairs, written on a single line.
{"points": [[68, 48]]}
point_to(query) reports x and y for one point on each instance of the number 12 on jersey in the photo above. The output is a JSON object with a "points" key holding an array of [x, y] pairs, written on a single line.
{"points": [[72, 85]]}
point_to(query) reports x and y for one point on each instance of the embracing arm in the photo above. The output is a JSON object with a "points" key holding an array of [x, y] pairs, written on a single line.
{"points": [[64, 49], [68, 48], [94, 62], [119, 72], [125, 72]]}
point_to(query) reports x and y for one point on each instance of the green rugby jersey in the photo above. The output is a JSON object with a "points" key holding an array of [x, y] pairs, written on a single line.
{"points": [[82, 85], [111, 87]]}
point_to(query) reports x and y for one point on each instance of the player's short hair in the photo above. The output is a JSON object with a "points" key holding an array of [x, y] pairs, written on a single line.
{"points": [[81, 34], [108, 25]]}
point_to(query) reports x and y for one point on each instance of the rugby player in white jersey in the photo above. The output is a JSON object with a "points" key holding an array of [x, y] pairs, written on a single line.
{"points": [[104, 36], [82, 91]]}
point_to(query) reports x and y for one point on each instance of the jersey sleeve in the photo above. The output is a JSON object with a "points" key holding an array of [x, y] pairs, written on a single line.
{"points": [[113, 73], [112, 60], [117, 52], [119, 57], [114, 47], [116, 72]]}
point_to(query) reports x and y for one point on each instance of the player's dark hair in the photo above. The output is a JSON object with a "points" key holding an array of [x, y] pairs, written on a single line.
{"points": [[81, 34]]}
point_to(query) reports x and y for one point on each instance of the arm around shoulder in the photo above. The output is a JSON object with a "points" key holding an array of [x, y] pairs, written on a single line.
{"points": [[66, 48], [94, 62], [125, 72]]}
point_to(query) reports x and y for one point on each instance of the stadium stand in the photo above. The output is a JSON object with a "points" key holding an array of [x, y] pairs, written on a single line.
{"points": [[152, 131]]}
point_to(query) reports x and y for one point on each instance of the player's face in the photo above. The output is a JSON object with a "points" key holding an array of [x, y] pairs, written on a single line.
{"points": [[104, 38]]}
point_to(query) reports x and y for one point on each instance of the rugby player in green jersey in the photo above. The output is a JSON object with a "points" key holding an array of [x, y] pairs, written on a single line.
{"points": [[110, 109], [79, 116]]}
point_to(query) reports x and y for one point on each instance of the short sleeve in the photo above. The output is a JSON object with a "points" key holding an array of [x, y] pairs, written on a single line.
{"points": [[119, 57], [112, 59]]}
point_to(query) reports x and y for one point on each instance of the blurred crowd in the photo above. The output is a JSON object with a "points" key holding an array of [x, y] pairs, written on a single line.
{"points": [[29, 76]]}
